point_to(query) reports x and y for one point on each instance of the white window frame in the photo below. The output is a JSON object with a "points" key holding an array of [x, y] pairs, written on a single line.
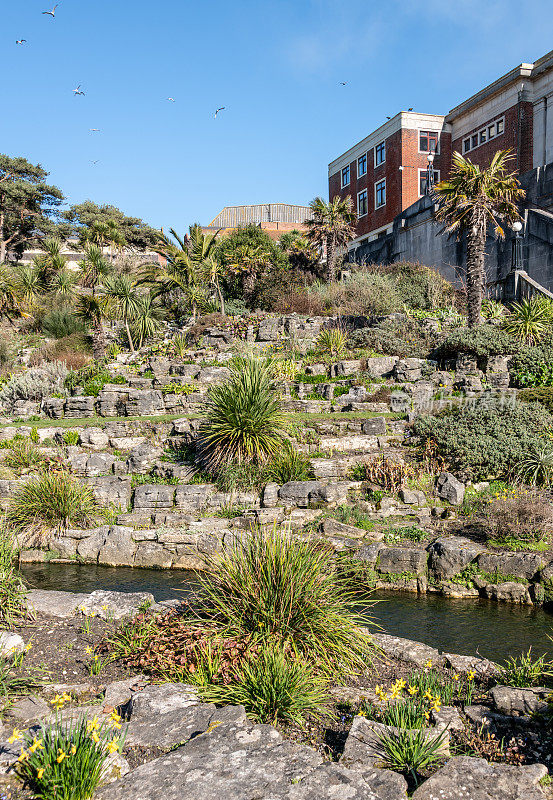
{"points": [[365, 192], [362, 174], [438, 134], [379, 164], [376, 185], [486, 131], [436, 179], [348, 167]]}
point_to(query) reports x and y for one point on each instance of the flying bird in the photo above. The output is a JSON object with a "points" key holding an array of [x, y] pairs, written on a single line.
{"points": [[78, 90], [95, 130], [343, 83], [51, 13], [409, 109], [171, 99], [95, 162], [20, 41], [388, 118], [219, 109]]}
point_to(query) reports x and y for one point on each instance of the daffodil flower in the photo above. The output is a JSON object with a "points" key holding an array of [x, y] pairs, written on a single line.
{"points": [[36, 745], [16, 736], [40, 773], [61, 756], [23, 756]]}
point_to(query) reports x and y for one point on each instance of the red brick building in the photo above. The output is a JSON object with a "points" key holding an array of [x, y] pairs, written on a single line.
{"points": [[386, 172]]}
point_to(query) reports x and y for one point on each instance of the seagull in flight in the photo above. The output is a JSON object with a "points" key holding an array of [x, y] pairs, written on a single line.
{"points": [[388, 118], [344, 83], [95, 130], [20, 41], [218, 110], [78, 90], [171, 99], [52, 13], [95, 162]]}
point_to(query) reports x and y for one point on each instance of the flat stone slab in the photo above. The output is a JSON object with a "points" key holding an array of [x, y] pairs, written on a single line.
{"points": [[56, 604], [476, 779], [413, 652], [482, 666], [11, 644], [114, 605], [170, 714], [241, 761]]}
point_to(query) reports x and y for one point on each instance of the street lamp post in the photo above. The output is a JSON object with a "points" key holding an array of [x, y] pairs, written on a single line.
{"points": [[516, 252], [430, 174]]}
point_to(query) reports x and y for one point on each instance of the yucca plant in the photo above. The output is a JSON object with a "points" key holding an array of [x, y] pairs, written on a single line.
{"points": [[279, 589], [272, 686], [180, 344], [536, 465], [529, 320], [332, 342], [53, 500], [492, 310], [241, 421]]}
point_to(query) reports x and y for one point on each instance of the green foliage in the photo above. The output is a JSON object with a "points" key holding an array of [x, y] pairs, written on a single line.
{"points": [[71, 438], [135, 232], [13, 605], [68, 761], [487, 439], [486, 340], [536, 465], [289, 465], [52, 500], [232, 477], [351, 515], [35, 383], [398, 533], [92, 377], [411, 751], [530, 320], [405, 713], [179, 344], [361, 292], [178, 388], [286, 591], [420, 287], [524, 670], [407, 339], [273, 686], [332, 342], [61, 322], [541, 395], [241, 422], [23, 454], [532, 365], [493, 310]]}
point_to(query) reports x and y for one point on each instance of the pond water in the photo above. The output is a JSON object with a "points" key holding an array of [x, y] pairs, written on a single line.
{"points": [[495, 630]]}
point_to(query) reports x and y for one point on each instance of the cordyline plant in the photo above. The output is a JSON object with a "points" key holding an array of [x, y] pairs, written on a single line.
{"points": [[242, 422], [470, 201]]}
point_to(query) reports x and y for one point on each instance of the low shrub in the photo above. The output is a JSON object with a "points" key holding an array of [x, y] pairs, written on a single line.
{"points": [[509, 516], [273, 686], [360, 293], [242, 422], [486, 340], [525, 670], [61, 322], [419, 286], [486, 439], [236, 477], [385, 472], [529, 320], [74, 351], [406, 338], [536, 465], [532, 366], [289, 465], [411, 751], [92, 377], [539, 395], [34, 384], [23, 454], [13, 593], [332, 342], [53, 500], [285, 591]]}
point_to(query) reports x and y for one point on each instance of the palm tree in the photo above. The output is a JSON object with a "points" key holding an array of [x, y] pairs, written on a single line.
{"points": [[94, 266], [214, 272], [10, 301], [470, 200], [51, 261], [63, 284], [120, 291], [147, 317], [331, 228], [27, 283], [89, 309], [247, 261]]}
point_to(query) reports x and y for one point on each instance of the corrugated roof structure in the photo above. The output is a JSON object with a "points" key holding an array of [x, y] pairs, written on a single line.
{"points": [[232, 216]]}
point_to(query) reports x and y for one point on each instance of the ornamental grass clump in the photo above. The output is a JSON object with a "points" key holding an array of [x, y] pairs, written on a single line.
{"points": [[53, 500], [242, 421], [525, 670], [289, 465], [13, 593], [273, 686], [275, 588], [67, 760]]}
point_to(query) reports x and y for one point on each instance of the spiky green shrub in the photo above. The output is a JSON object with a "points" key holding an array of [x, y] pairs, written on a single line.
{"points": [[525, 670], [529, 320], [493, 310], [61, 322], [52, 500], [22, 454], [13, 593], [273, 686], [241, 421], [332, 342], [289, 465], [280, 589], [536, 465], [411, 751]]}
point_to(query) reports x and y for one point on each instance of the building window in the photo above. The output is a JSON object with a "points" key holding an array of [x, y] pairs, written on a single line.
{"points": [[362, 165], [380, 194], [380, 154], [345, 176], [428, 141], [423, 177], [362, 204], [484, 135]]}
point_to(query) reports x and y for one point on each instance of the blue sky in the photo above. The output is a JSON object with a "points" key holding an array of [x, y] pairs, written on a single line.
{"points": [[275, 66]]}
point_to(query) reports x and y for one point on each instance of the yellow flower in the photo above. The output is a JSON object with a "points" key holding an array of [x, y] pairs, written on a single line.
{"points": [[435, 706], [95, 738], [61, 756], [428, 695], [412, 690], [16, 736], [88, 650], [456, 677], [23, 755], [429, 663], [115, 720], [40, 773], [36, 745], [427, 715], [92, 725], [28, 646], [471, 675], [113, 746]]}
